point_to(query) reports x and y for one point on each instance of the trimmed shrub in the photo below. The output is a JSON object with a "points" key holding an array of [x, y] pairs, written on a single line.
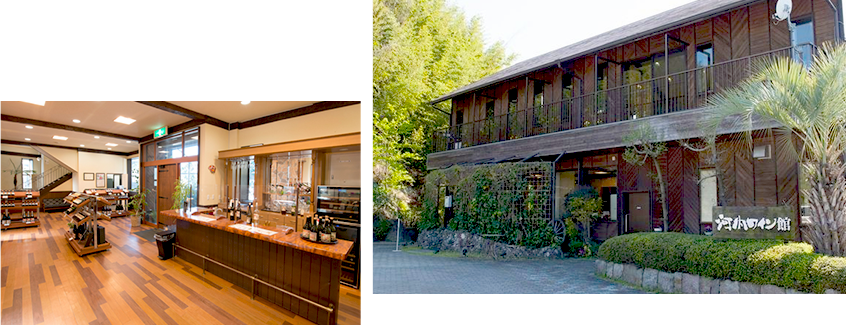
{"points": [[790, 265], [381, 228]]}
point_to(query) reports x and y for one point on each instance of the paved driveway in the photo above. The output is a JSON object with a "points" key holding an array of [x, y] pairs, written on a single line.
{"points": [[404, 272]]}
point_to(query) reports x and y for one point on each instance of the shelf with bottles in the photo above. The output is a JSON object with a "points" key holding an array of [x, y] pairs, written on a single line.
{"points": [[86, 237], [19, 209]]}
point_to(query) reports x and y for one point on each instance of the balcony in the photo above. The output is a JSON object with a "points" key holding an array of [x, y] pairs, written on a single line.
{"points": [[674, 93]]}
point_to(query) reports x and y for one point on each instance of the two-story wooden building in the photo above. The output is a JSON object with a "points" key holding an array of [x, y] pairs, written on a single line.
{"points": [[572, 107]]}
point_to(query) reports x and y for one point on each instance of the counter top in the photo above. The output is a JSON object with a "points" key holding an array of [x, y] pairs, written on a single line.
{"points": [[336, 251]]}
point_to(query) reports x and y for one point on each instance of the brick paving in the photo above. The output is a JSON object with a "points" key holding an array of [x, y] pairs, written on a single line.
{"points": [[403, 272]]}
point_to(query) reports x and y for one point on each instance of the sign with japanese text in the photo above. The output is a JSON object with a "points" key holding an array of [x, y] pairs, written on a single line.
{"points": [[755, 222]]}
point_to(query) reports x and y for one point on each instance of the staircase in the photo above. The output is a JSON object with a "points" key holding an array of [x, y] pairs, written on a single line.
{"points": [[50, 179]]}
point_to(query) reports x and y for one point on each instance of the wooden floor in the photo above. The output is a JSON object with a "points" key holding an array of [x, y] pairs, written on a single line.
{"points": [[45, 282]]}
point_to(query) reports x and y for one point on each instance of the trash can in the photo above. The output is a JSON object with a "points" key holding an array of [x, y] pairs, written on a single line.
{"points": [[165, 240]]}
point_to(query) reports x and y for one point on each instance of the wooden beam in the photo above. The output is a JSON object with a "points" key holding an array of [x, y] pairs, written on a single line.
{"points": [[313, 108], [170, 161], [24, 120], [31, 155], [107, 152], [182, 111]]}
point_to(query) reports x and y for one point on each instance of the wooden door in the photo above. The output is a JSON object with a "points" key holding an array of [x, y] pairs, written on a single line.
{"points": [[639, 216], [167, 178]]}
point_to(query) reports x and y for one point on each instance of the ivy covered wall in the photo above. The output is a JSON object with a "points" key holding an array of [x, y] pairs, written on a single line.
{"points": [[508, 202]]}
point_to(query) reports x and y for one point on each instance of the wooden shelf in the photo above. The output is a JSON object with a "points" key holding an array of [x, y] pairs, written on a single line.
{"points": [[19, 224]]}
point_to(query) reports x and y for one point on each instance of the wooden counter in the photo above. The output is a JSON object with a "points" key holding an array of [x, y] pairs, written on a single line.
{"points": [[309, 270]]}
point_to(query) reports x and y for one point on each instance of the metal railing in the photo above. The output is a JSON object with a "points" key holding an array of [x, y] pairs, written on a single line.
{"points": [[661, 95], [39, 181]]}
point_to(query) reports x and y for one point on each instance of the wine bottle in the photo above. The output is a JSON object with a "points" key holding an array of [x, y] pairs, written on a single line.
{"points": [[305, 232], [314, 232], [332, 230]]}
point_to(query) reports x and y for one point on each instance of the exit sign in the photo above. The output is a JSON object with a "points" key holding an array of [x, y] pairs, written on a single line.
{"points": [[160, 133]]}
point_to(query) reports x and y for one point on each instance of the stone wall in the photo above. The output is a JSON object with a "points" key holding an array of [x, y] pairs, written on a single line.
{"points": [[678, 282], [467, 243]]}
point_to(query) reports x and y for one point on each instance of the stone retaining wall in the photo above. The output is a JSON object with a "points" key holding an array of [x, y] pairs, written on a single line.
{"points": [[678, 282], [465, 242]]}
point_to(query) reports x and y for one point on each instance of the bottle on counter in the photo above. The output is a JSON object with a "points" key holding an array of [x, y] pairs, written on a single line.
{"points": [[332, 230], [314, 231], [306, 228], [326, 234]]}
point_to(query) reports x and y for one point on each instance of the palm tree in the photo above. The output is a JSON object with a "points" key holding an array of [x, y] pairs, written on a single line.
{"points": [[810, 103]]}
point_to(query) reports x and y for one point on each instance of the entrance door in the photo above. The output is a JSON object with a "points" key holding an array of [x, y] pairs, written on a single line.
{"points": [[168, 175], [640, 218]]}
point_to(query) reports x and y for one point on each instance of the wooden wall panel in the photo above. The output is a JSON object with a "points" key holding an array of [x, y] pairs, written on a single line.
{"points": [[823, 21], [590, 74], [642, 48], [740, 33], [779, 34], [722, 38], [766, 193], [745, 178], [674, 179], [802, 8], [690, 192], [656, 44], [629, 52], [726, 166], [703, 31], [787, 173], [759, 28]]}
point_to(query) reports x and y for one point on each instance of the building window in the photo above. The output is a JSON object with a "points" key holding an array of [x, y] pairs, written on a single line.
{"points": [[489, 109], [707, 193], [28, 169], [566, 87], [704, 74], [459, 117], [512, 100], [134, 173], [537, 104], [802, 40]]}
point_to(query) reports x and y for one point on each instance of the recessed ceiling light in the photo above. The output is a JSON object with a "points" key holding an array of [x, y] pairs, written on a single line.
{"points": [[124, 120], [162, 151], [58, 137], [160, 147], [76, 121], [96, 137], [41, 103], [111, 144], [27, 139], [82, 145], [110, 148], [245, 102], [128, 141], [29, 126]]}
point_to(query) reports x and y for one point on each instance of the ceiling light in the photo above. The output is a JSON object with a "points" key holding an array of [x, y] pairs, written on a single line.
{"points": [[29, 126], [82, 145], [110, 148], [128, 141], [245, 102], [76, 121], [58, 137], [27, 139], [124, 120], [96, 137], [162, 151], [41, 103], [111, 144]]}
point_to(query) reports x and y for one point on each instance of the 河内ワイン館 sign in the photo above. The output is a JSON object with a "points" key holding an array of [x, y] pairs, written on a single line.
{"points": [[755, 222]]}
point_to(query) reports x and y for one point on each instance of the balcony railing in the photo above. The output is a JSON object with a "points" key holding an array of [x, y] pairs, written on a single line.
{"points": [[673, 93]]}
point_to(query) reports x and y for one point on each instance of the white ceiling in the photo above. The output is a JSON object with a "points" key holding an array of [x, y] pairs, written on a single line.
{"points": [[100, 115], [232, 112]]}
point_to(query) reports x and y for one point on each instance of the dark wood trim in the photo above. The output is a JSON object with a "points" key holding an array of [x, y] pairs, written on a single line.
{"points": [[170, 161], [182, 111], [24, 120], [107, 152], [173, 130], [313, 108], [4, 152]]}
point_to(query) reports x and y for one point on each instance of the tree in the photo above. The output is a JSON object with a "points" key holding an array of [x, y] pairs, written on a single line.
{"points": [[642, 146], [421, 50], [810, 103]]}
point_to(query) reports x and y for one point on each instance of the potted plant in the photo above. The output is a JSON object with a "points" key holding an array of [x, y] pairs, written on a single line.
{"points": [[181, 192], [137, 204]]}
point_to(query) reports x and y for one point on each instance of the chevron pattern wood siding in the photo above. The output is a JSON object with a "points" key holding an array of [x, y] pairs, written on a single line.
{"points": [[787, 179], [759, 28], [766, 190], [726, 166], [744, 176], [675, 183], [690, 192], [823, 20], [740, 33], [779, 34]]}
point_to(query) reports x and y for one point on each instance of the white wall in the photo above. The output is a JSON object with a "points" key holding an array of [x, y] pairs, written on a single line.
{"points": [[68, 157], [97, 163], [212, 140], [327, 123]]}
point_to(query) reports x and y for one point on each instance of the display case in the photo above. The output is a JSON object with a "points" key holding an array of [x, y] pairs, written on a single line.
{"points": [[19, 209], [343, 204]]}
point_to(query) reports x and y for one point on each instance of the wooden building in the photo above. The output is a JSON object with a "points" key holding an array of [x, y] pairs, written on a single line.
{"points": [[573, 106]]}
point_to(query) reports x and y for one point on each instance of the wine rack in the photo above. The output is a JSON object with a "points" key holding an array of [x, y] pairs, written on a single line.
{"points": [[19, 209], [86, 236]]}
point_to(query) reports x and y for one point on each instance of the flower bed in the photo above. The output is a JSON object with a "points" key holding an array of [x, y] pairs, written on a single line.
{"points": [[762, 262]]}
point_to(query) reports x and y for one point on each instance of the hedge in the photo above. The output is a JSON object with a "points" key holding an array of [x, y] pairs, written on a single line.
{"points": [[790, 265]]}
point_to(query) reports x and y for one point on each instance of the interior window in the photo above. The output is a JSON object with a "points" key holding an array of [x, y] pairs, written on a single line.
{"points": [[28, 170]]}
